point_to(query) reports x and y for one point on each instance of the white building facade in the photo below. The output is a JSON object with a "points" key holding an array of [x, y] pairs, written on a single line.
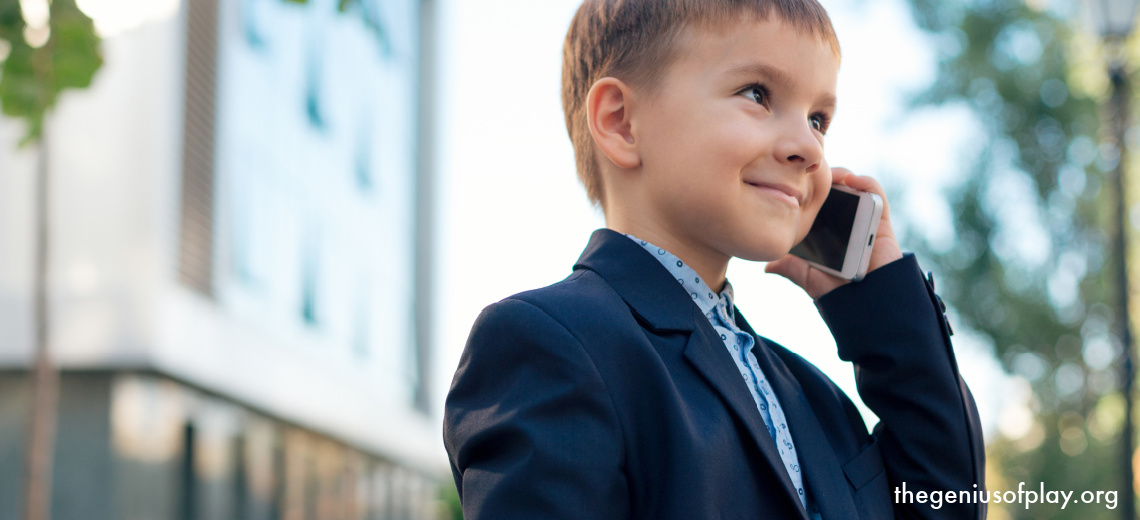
{"points": [[240, 228]]}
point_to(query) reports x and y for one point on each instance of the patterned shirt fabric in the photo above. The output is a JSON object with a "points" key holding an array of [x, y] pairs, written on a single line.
{"points": [[718, 308]]}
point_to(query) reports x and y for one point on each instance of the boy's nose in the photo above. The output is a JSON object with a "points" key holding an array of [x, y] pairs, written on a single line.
{"points": [[800, 147]]}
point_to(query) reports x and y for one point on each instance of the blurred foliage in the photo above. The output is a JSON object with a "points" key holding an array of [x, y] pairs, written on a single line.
{"points": [[449, 497], [1030, 267], [32, 77]]}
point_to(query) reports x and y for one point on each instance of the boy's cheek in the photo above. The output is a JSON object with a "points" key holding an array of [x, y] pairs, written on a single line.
{"points": [[807, 218]]}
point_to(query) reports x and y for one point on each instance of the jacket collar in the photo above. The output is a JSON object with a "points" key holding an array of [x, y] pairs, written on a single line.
{"points": [[644, 284], [654, 295]]}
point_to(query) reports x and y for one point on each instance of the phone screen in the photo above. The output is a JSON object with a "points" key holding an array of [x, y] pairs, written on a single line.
{"points": [[826, 243]]}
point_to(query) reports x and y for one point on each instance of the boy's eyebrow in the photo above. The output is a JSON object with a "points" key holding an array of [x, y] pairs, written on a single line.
{"points": [[777, 76]]}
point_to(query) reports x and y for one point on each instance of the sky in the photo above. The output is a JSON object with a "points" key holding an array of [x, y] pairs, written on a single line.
{"points": [[514, 216]]}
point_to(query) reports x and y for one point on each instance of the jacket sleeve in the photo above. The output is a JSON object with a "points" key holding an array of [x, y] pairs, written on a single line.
{"points": [[529, 427], [891, 326]]}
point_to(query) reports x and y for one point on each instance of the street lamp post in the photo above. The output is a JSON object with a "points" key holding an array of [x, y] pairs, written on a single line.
{"points": [[1119, 104], [1114, 21]]}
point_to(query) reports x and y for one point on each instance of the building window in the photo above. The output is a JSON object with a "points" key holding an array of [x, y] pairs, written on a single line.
{"points": [[362, 156], [362, 332], [310, 275]]}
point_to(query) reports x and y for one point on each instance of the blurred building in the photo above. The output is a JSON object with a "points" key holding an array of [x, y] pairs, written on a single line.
{"points": [[240, 230]]}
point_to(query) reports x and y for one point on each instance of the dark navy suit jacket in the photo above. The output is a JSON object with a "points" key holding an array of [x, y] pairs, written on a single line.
{"points": [[609, 396]]}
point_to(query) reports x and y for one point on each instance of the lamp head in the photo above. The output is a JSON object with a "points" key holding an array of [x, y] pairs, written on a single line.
{"points": [[1113, 19]]}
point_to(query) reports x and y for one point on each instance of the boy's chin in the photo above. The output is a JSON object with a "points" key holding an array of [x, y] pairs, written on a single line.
{"points": [[766, 252]]}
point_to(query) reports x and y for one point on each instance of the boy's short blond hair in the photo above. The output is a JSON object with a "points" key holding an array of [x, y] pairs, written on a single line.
{"points": [[634, 41]]}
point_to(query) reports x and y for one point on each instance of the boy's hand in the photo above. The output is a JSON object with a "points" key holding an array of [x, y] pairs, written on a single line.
{"points": [[886, 249]]}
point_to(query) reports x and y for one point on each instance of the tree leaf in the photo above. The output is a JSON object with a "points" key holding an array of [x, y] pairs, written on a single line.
{"points": [[32, 79]]}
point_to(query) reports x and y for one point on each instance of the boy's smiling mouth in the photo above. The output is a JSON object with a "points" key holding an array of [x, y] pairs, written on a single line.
{"points": [[788, 194]]}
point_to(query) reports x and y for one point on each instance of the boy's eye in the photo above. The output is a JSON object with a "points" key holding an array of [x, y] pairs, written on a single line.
{"points": [[756, 93], [819, 122]]}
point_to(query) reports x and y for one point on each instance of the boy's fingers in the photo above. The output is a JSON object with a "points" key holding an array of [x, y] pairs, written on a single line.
{"points": [[839, 175], [864, 183]]}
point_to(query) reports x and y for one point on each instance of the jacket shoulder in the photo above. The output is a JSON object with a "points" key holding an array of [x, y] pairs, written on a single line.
{"points": [[579, 299]]}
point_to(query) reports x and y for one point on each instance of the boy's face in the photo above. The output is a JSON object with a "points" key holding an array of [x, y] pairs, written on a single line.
{"points": [[731, 141]]}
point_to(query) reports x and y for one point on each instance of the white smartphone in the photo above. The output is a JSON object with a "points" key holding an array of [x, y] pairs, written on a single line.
{"points": [[843, 233]]}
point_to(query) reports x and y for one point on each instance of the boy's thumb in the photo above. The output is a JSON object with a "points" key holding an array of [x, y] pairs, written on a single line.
{"points": [[791, 267], [800, 273]]}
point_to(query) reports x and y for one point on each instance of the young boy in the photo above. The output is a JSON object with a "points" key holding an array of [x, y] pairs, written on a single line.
{"points": [[634, 388]]}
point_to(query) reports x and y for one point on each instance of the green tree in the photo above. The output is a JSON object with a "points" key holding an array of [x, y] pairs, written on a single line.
{"points": [[48, 46], [1030, 266]]}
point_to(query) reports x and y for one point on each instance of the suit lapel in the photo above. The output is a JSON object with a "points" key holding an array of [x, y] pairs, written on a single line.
{"points": [[821, 469], [706, 352]]}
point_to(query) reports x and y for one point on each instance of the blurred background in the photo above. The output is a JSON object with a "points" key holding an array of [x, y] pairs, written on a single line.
{"points": [[242, 241]]}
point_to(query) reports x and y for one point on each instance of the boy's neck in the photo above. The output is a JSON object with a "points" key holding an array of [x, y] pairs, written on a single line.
{"points": [[711, 266]]}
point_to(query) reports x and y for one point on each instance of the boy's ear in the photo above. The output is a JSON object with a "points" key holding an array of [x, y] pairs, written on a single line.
{"points": [[608, 116]]}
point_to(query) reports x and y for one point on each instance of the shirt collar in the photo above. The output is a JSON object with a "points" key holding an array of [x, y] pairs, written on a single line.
{"points": [[702, 295]]}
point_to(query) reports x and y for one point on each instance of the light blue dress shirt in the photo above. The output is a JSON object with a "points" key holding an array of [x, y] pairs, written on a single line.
{"points": [[718, 308]]}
